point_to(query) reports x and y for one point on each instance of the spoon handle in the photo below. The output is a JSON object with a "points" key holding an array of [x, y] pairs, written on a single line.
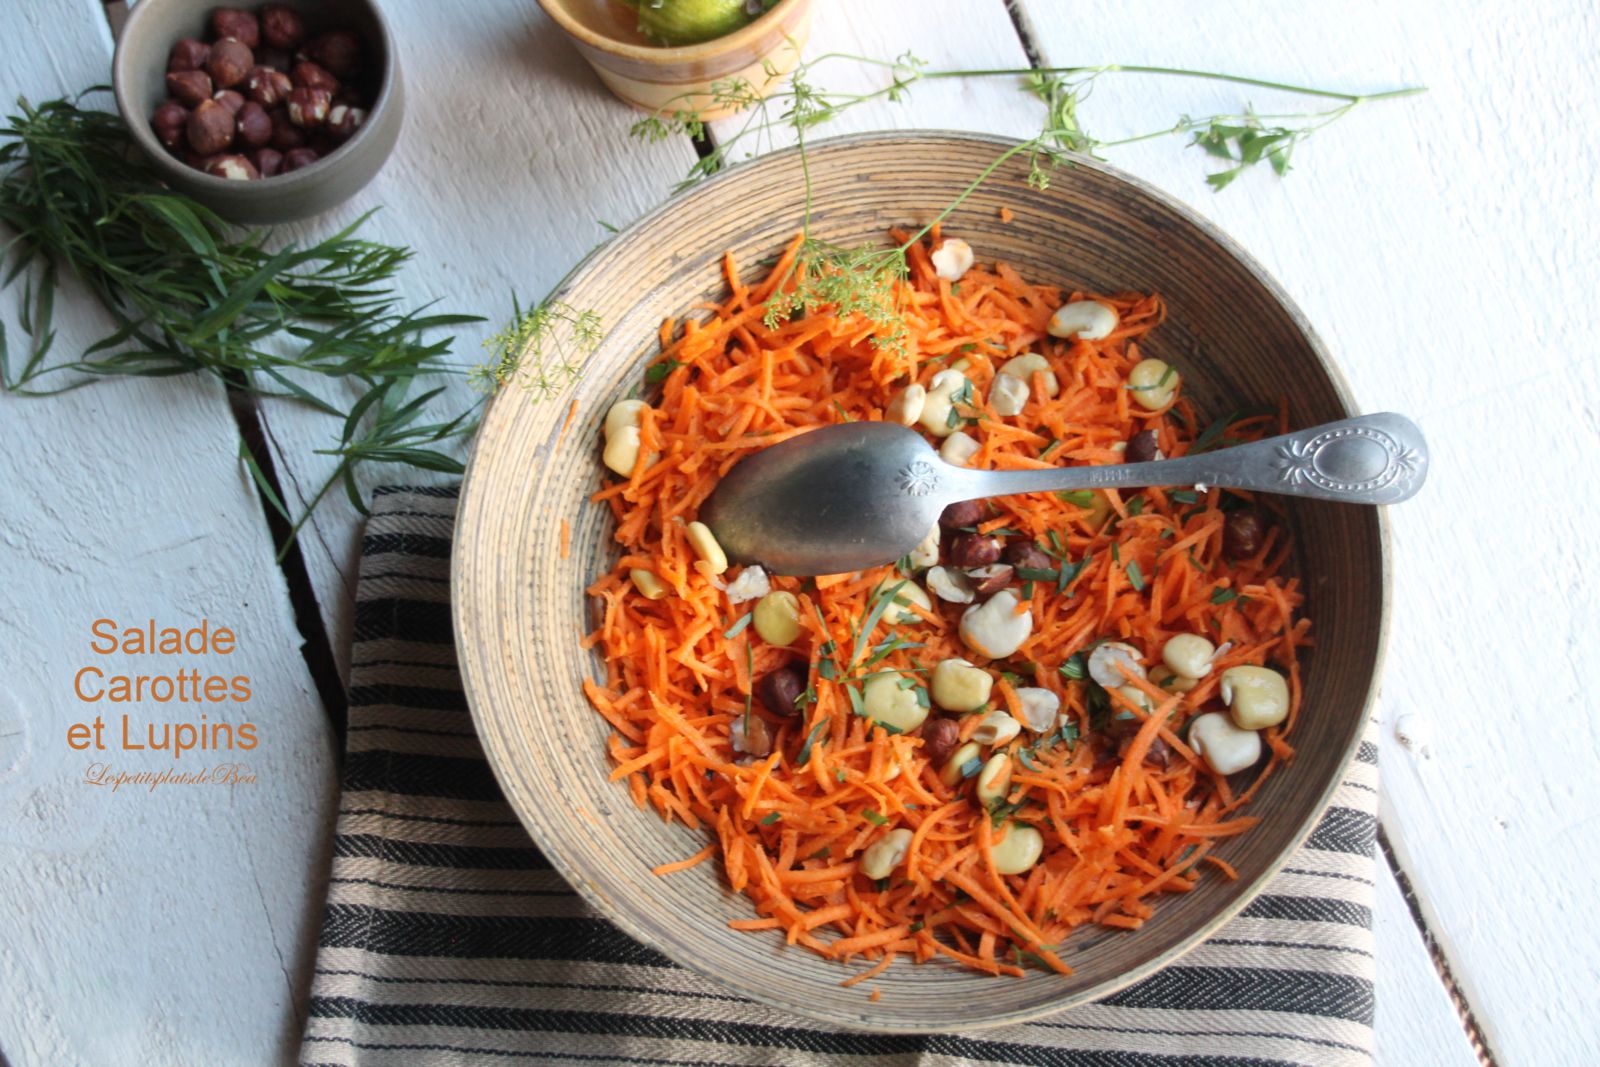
{"points": [[1373, 459]]}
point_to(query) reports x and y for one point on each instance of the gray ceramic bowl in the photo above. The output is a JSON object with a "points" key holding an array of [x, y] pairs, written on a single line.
{"points": [[138, 73]]}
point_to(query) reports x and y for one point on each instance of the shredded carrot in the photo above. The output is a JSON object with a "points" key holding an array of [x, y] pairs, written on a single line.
{"points": [[684, 865], [1125, 808]]}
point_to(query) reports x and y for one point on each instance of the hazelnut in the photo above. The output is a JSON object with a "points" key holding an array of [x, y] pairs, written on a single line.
{"points": [[339, 51], [196, 160], [285, 134], [188, 54], [308, 108], [210, 128], [750, 735], [282, 27], [1242, 533], [962, 513], [1159, 754], [189, 86], [990, 579], [234, 168], [974, 550], [240, 25], [168, 123], [307, 75], [296, 158], [273, 58], [1027, 554], [230, 99], [1143, 448], [939, 737], [252, 125], [230, 63], [269, 161], [779, 690], [344, 121], [267, 87]]}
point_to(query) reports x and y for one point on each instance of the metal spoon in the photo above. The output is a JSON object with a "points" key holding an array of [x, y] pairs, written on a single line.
{"points": [[858, 494]]}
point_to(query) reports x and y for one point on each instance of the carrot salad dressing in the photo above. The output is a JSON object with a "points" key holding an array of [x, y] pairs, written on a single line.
{"points": [[1125, 806]]}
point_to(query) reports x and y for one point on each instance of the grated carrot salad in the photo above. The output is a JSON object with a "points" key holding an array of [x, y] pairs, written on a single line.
{"points": [[1126, 808]]}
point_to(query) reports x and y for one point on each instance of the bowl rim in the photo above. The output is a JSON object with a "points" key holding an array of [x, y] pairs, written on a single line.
{"points": [[163, 161], [473, 500], [666, 55]]}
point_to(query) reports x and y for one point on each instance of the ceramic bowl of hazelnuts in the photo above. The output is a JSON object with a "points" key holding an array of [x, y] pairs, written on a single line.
{"points": [[263, 114]]}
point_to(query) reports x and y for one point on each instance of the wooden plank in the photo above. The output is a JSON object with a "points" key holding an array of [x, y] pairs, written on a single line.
{"points": [[512, 156], [172, 926], [1415, 1015], [1440, 245]]}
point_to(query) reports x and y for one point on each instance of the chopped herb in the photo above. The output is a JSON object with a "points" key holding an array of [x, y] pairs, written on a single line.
{"points": [[1135, 576], [811, 739], [856, 703], [1025, 757], [1165, 534], [1011, 676], [1135, 506], [916, 926], [955, 288], [1001, 812], [971, 767], [657, 372], [1069, 574], [874, 818], [1050, 446], [770, 819], [1027, 590], [821, 853], [1116, 552], [922, 697], [1185, 496], [880, 884], [1074, 667], [886, 728], [838, 774], [1038, 574], [1220, 595], [750, 672], [1083, 498], [1069, 733]]}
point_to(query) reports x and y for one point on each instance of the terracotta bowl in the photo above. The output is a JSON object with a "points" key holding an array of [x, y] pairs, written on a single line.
{"points": [[520, 608], [652, 77], [138, 73]]}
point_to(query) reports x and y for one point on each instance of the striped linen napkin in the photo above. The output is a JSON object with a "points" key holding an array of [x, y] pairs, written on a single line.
{"points": [[449, 940]]}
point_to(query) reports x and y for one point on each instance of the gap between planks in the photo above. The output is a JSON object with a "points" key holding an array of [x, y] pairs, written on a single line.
{"points": [[1464, 1009]]}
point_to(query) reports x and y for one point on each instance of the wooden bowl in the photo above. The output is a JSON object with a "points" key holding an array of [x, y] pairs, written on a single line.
{"points": [[520, 609], [652, 77]]}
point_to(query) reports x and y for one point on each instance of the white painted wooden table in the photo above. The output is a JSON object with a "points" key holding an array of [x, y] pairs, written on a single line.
{"points": [[1444, 246]]}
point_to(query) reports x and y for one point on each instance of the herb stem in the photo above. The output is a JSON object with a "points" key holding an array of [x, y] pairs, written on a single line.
{"points": [[1179, 72]]}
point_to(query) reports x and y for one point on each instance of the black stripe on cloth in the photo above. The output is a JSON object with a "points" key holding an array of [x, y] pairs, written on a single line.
{"points": [[1345, 830], [449, 492], [429, 698], [455, 891], [409, 774], [1184, 988], [443, 820], [1308, 910], [543, 1057], [748, 1035], [416, 731], [1271, 1035], [692, 994], [405, 576], [423, 621], [426, 854], [1367, 752], [418, 933], [1253, 942], [405, 544], [1329, 874]]}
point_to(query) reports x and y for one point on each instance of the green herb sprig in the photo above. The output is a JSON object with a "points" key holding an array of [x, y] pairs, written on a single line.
{"points": [[191, 294]]}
